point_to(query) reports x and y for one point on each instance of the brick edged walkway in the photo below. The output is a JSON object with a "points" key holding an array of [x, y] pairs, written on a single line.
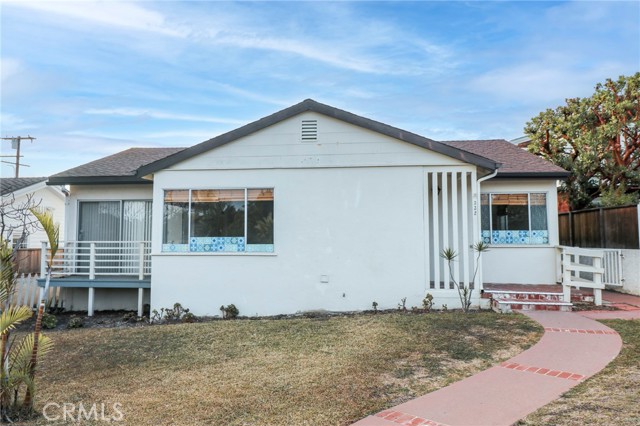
{"points": [[504, 394]]}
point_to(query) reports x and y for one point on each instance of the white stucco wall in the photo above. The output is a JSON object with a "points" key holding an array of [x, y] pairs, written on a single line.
{"points": [[522, 264], [362, 228], [349, 209], [349, 225]]}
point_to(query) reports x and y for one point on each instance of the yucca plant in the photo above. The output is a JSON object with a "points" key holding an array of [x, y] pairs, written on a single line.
{"points": [[15, 355], [464, 290]]}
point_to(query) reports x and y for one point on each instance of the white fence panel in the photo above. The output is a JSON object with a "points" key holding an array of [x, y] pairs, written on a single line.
{"points": [[612, 267], [27, 292]]}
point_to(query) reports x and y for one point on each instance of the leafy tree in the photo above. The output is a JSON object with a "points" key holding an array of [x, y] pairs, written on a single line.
{"points": [[597, 139]]}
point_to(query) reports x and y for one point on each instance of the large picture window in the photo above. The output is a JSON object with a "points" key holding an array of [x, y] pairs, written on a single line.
{"points": [[519, 218], [218, 220]]}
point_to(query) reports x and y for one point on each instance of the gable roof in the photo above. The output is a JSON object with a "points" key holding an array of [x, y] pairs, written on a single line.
{"points": [[132, 165], [313, 106], [516, 162], [117, 168], [9, 185]]}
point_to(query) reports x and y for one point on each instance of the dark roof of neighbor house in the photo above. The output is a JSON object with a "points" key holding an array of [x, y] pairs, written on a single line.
{"points": [[516, 162], [121, 167], [311, 105], [9, 185]]}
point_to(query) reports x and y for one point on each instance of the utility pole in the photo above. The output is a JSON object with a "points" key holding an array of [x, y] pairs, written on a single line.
{"points": [[15, 144]]}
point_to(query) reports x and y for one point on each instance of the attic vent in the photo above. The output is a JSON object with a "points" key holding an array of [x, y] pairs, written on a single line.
{"points": [[309, 130]]}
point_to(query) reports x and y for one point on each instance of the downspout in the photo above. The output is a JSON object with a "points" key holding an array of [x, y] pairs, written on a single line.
{"points": [[479, 279]]}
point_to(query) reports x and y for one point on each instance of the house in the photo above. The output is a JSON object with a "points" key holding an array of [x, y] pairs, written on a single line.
{"points": [[21, 192], [309, 208]]}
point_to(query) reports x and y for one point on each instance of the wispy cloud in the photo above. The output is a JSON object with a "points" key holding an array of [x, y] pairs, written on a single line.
{"points": [[546, 83], [9, 67], [12, 123], [160, 115], [359, 54], [119, 14]]}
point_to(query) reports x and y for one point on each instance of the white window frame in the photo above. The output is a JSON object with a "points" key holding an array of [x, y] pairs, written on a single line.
{"points": [[246, 220], [489, 194]]}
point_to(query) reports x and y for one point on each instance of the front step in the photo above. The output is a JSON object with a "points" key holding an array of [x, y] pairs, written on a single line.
{"points": [[508, 305], [527, 296]]}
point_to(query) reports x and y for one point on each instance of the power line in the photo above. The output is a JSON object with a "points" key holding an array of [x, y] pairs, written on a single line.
{"points": [[15, 144]]}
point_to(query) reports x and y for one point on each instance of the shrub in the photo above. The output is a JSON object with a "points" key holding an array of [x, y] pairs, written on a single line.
{"points": [[130, 317], [177, 313], [49, 321], [75, 322], [427, 302], [189, 317]]}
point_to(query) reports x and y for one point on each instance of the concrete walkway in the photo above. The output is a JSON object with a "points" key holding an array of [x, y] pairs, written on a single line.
{"points": [[572, 349], [629, 307]]}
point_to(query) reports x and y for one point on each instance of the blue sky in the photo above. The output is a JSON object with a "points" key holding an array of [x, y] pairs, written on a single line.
{"points": [[89, 79]]}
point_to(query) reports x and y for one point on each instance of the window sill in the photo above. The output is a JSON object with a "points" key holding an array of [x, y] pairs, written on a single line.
{"points": [[491, 246], [213, 253]]}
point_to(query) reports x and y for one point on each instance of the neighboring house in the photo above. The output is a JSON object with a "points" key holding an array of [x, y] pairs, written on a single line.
{"points": [[309, 208], [16, 193], [521, 142]]}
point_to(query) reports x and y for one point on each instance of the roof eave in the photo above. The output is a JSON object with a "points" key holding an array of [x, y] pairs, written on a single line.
{"points": [[95, 180], [532, 175]]}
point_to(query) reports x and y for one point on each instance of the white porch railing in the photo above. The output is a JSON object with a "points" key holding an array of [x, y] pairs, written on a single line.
{"points": [[582, 268], [99, 258]]}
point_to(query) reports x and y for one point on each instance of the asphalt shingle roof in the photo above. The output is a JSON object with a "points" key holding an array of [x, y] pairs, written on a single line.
{"points": [[9, 185], [515, 162], [117, 168]]}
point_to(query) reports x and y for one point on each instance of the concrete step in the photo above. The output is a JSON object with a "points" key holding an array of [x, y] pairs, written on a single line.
{"points": [[507, 305], [524, 295]]}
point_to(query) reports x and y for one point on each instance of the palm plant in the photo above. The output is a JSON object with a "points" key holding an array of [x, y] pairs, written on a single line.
{"points": [[15, 356], [52, 230], [464, 290]]}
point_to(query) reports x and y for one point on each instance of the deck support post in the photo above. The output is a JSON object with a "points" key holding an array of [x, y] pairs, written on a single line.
{"points": [[140, 298], [90, 301]]}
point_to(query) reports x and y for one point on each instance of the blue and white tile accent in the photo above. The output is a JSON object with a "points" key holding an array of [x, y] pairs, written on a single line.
{"points": [[216, 244], [259, 248], [175, 248], [515, 237]]}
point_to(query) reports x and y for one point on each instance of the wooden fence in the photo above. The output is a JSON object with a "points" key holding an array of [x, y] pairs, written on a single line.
{"points": [[27, 261], [611, 227]]}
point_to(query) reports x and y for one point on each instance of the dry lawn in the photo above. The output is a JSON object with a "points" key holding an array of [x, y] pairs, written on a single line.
{"points": [[329, 371], [611, 397]]}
